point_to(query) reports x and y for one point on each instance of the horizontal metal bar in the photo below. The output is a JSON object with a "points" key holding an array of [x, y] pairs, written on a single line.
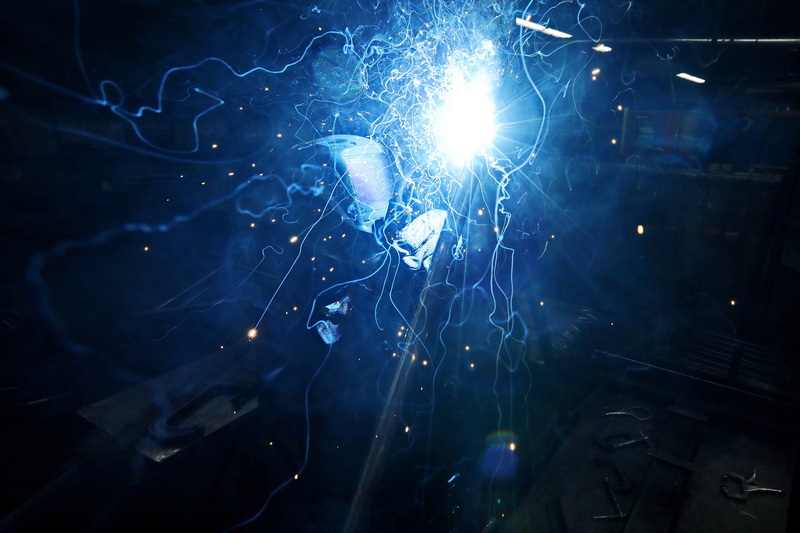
{"points": [[671, 459]]}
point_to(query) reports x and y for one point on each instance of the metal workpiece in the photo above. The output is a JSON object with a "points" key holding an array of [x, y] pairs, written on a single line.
{"points": [[737, 487], [612, 494], [166, 414], [672, 460], [171, 427], [641, 414], [625, 428], [623, 482], [621, 440]]}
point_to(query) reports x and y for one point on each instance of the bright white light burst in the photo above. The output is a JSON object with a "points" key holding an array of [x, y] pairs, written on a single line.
{"points": [[465, 120]]}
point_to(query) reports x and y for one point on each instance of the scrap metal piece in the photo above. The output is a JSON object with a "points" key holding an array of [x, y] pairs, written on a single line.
{"points": [[639, 413], [620, 440], [328, 331], [620, 513], [744, 487], [418, 240], [339, 307]]}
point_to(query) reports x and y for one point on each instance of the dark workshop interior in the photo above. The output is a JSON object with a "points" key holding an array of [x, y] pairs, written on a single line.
{"points": [[414, 265]]}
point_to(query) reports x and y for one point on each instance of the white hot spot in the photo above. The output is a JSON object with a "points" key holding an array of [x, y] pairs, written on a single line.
{"points": [[464, 121]]}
